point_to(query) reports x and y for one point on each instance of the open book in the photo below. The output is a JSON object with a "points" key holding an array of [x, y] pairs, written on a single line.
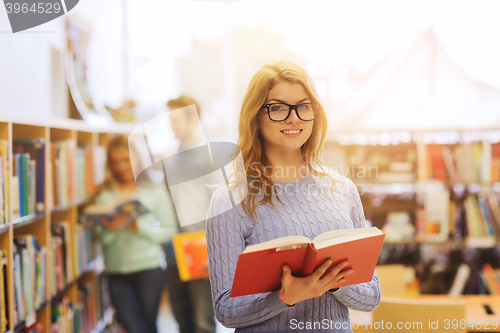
{"points": [[122, 204], [259, 267]]}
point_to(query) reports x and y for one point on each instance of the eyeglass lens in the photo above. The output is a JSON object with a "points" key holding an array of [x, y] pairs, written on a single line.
{"points": [[279, 112]]}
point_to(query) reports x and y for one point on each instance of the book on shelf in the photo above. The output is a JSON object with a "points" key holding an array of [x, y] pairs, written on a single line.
{"points": [[63, 317], [480, 229], [29, 276], [63, 170], [87, 298], [18, 313], [259, 267], [4, 183], [35, 328], [61, 233], [83, 253], [190, 249], [4, 296], [491, 279], [495, 162], [56, 265], [33, 167], [398, 227], [460, 280], [432, 220], [85, 185], [477, 162], [99, 159], [124, 203]]}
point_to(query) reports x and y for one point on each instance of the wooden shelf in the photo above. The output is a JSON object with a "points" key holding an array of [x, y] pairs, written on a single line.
{"points": [[39, 224]]}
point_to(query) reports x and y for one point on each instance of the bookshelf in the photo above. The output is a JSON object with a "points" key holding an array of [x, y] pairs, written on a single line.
{"points": [[442, 186], [45, 211]]}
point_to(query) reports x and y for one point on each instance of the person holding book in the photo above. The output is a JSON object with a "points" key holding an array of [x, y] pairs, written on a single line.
{"points": [[282, 128], [134, 258], [191, 300]]}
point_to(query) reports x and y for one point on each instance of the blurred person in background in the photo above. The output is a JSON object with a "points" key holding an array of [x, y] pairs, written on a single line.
{"points": [[132, 249], [191, 301]]}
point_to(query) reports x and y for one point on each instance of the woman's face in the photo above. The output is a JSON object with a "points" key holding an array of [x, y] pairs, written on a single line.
{"points": [[119, 159], [292, 133]]}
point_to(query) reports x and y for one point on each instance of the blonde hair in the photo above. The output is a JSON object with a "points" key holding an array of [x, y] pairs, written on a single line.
{"points": [[119, 141], [250, 140]]}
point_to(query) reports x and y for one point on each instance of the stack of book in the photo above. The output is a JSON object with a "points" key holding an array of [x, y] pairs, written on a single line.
{"points": [[30, 263]]}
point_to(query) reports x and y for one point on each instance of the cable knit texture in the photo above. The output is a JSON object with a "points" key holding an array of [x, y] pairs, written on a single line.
{"points": [[309, 207]]}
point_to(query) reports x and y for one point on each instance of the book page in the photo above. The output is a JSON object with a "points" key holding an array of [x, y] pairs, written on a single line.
{"points": [[282, 241], [345, 235]]}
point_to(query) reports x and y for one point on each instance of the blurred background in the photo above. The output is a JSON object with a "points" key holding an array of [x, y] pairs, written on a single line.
{"points": [[411, 90], [383, 65]]}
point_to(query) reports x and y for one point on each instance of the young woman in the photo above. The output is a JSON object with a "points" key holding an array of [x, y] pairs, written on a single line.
{"points": [[132, 249], [282, 128]]}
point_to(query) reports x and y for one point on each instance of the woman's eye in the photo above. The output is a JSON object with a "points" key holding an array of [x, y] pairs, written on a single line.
{"points": [[277, 108]]}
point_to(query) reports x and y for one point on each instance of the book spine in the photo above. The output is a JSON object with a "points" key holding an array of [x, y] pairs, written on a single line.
{"points": [[309, 259], [40, 177], [20, 174], [26, 182]]}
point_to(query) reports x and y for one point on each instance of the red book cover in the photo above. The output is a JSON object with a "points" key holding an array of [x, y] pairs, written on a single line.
{"points": [[261, 271]]}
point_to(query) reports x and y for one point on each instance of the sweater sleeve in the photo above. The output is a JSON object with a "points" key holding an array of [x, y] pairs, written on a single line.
{"points": [[161, 225], [225, 241], [362, 296]]}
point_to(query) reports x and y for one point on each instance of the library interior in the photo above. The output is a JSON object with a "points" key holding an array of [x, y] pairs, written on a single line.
{"points": [[112, 111]]}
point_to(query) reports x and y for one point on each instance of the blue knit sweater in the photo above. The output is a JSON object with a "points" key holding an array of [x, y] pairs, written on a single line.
{"points": [[309, 208]]}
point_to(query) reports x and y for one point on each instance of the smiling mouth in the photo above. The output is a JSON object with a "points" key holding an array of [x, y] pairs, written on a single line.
{"points": [[297, 131]]}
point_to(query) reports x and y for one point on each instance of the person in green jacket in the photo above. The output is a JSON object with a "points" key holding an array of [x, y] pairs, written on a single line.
{"points": [[132, 250]]}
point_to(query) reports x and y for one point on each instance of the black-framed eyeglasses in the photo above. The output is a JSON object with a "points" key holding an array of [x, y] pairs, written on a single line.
{"points": [[281, 111]]}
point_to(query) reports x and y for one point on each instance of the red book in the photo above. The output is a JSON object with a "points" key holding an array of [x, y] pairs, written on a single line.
{"points": [[259, 267]]}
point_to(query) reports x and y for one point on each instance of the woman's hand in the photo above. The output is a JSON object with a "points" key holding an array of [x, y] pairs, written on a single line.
{"points": [[296, 289], [116, 222]]}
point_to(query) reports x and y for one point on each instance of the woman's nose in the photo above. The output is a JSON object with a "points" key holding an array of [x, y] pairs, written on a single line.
{"points": [[293, 118]]}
